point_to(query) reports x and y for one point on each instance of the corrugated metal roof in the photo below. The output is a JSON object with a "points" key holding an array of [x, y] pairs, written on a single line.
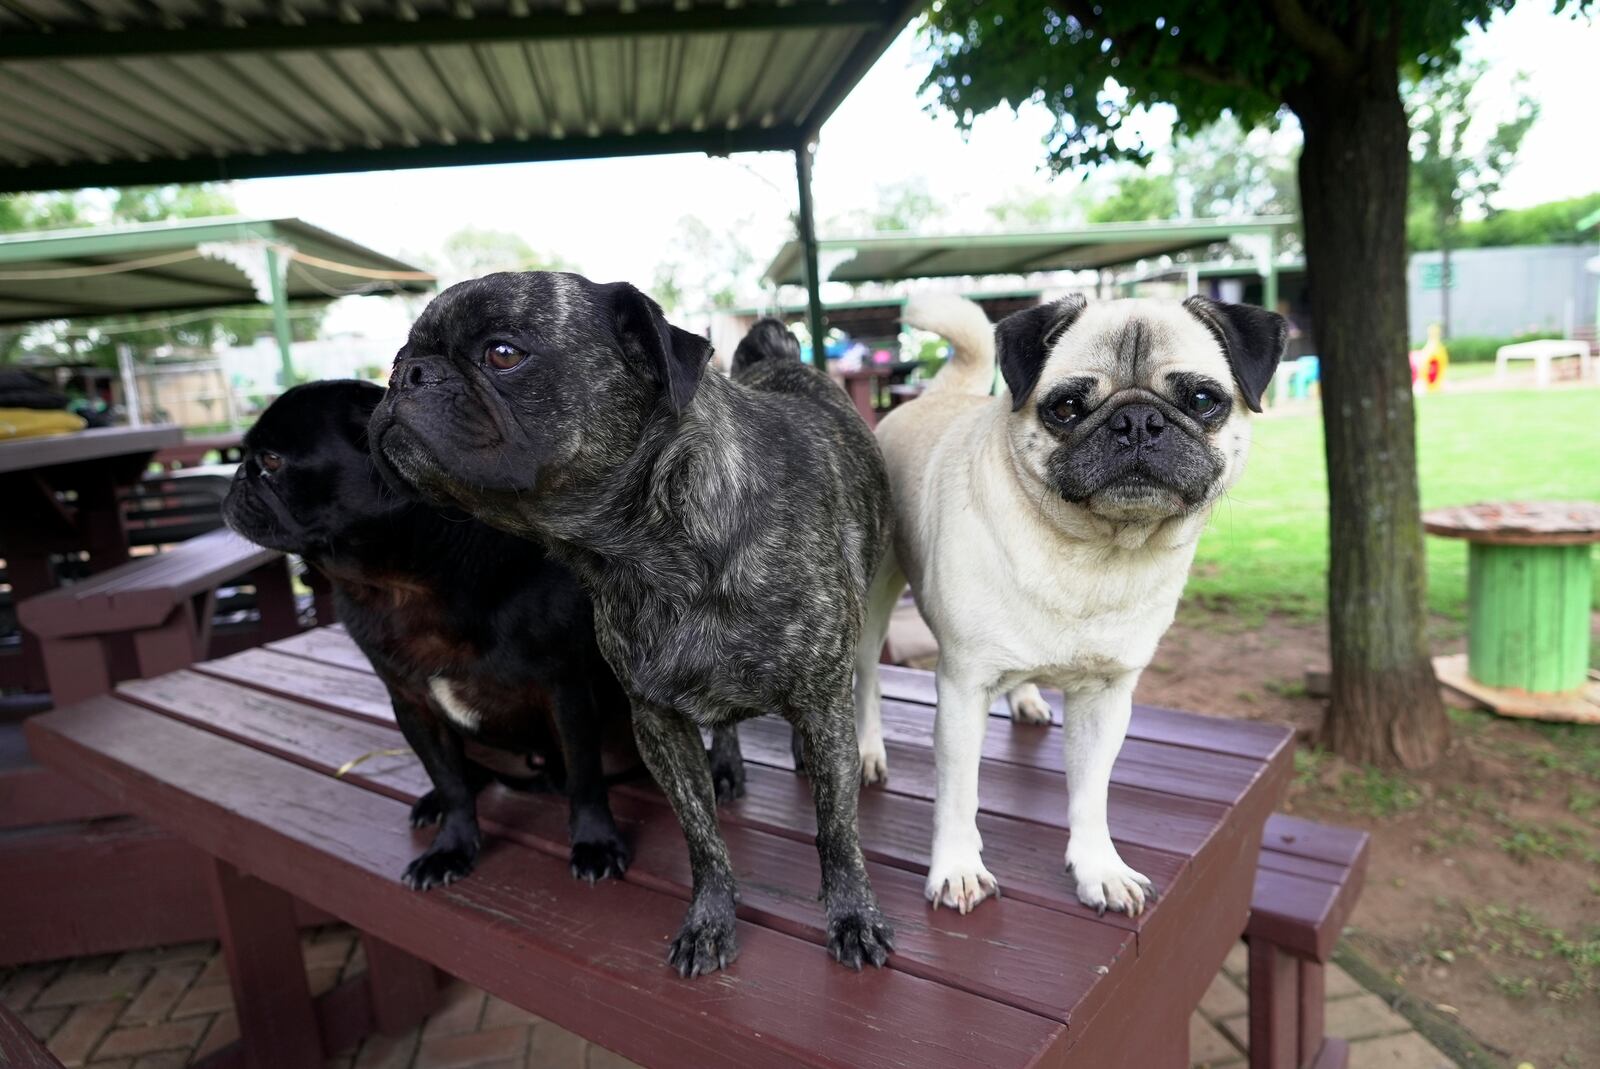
{"points": [[169, 266], [898, 256], [133, 91]]}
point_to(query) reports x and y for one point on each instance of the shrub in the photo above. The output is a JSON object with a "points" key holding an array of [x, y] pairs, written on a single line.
{"points": [[1478, 349]]}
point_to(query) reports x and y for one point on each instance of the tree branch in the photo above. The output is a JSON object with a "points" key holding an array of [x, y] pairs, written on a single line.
{"points": [[1319, 41], [1208, 74]]}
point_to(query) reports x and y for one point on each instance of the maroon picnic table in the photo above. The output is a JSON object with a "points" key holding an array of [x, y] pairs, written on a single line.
{"points": [[60, 495], [284, 765]]}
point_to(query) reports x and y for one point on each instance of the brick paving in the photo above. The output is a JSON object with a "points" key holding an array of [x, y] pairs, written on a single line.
{"points": [[171, 1006]]}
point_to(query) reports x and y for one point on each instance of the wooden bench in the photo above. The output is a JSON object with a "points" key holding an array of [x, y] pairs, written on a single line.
{"points": [[153, 614], [1307, 883], [18, 1048], [241, 757]]}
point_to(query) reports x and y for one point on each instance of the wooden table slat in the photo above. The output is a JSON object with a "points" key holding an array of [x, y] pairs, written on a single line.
{"points": [[1243, 737], [351, 691], [1178, 770], [330, 645], [549, 954], [1160, 821], [1337, 845]]}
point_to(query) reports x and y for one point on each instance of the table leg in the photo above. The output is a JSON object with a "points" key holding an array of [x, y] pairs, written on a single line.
{"points": [[861, 395], [404, 989], [261, 941], [275, 600], [30, 574], [103, 525], [1274, 1004]]}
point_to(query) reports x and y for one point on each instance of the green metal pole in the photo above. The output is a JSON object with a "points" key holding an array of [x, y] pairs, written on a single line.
{"points": [[1528, 610], [280, 317], [1269, 282], [816, 321]]}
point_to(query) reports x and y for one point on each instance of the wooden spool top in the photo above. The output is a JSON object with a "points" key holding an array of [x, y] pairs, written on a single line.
{"points": [[1518, 523]]}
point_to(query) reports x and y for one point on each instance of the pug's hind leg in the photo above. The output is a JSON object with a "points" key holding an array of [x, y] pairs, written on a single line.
{"points": [[882, 597], [727, 763], [597, 847], [1028, 705], [857, 930], [671, 747]]}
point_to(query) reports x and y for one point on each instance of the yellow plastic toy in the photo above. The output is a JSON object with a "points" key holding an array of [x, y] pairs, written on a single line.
{"points": [[1429, 363]]}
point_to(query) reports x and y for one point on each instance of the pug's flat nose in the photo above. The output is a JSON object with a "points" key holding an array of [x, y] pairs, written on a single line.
{"points": [[1137, 425], [408, 374]]}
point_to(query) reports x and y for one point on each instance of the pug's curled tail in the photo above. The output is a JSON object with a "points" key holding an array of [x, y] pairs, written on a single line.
{"points": [[769, 339], [970, 368]]}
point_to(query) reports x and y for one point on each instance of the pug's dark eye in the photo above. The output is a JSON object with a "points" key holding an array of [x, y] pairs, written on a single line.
{"points": [[1204, 403], [503, 357], [269, 460], [1066, 410]]}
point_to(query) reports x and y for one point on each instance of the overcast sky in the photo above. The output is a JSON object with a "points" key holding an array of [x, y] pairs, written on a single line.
{"points": [[613, 218]]}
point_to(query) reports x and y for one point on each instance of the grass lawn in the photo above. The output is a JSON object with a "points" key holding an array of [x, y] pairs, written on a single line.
{"points": [[1266, 548]]}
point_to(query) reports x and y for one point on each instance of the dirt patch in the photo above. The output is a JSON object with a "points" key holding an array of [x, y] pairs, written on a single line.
{"points": [[1207, 664]]}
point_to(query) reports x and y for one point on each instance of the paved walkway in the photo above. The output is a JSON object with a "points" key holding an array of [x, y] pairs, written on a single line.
{"points": [[169, 1007]]}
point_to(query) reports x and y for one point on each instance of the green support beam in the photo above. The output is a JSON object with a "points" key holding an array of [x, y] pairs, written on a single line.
{"points": [[280, 164], [543, 25], [816, 320], [280, 316], [1269, 280]]}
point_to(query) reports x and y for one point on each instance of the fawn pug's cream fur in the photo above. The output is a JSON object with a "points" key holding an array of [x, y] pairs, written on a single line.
{"points": [[1047, 533]]}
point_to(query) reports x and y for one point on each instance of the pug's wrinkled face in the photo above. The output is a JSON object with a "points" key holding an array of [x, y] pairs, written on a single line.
{"points": [[1135, 409], [306, 484], [515, 386]]}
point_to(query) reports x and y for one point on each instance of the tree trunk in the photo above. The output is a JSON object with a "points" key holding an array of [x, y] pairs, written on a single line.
{"points": [[1385, 706]]}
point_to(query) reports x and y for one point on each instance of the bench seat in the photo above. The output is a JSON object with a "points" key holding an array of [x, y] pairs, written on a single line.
{"points": [[151, 615], [1307, 882]]}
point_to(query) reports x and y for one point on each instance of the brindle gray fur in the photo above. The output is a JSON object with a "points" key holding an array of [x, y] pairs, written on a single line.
{"points": [[727, 532]]}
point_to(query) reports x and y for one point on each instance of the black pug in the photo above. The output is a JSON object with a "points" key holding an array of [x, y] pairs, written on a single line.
{"points": [[726, 530], [475, 633]]}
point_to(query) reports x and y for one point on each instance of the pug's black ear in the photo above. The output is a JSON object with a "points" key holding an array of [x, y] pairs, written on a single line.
{"points": [[1023, 340], [364, 397], [1252, 339], [675, 357]]}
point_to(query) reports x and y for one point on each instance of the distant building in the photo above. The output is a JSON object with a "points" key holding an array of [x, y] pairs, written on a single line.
{"points": [[1502, 292]]}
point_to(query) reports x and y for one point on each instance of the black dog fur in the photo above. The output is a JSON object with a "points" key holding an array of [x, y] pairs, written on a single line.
{"points": [[426, 597], [727, 531]]}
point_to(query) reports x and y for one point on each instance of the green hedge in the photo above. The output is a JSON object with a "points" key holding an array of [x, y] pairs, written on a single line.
{"points": [[1478, 349]]}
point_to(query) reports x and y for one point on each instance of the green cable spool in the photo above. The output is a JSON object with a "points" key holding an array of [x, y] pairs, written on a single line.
{"points": [[1530, 590]]}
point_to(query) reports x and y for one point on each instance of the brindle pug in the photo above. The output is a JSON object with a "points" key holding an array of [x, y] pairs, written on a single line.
{"points": [[727, 531], [476, 634]]}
